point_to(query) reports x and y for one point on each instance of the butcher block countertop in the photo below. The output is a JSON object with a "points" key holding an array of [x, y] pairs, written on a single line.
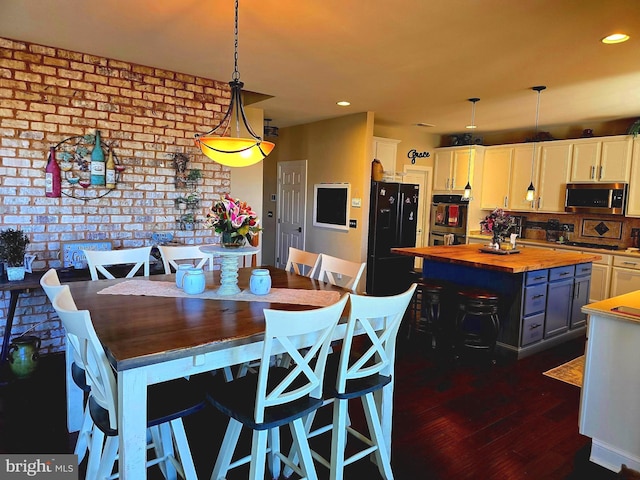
{"points": [[527, 260]]}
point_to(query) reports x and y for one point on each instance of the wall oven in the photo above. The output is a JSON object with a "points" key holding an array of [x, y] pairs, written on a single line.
{"points": [[448, 221]]}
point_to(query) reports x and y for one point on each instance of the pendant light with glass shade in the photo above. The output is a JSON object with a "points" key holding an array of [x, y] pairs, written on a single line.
{"points": [[467, 188], [234, 151], [531, 191]]}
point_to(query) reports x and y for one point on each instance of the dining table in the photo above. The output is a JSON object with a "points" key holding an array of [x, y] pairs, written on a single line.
{"points": [[153, 332]]}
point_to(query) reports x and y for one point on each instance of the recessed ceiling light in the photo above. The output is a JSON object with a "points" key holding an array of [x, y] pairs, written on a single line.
{"points": [[344, 103], [471, 126], [615, 38], [422, 124]]}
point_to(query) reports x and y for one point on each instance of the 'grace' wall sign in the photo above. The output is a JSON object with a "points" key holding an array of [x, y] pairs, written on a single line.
{"points": [[413, 154]]}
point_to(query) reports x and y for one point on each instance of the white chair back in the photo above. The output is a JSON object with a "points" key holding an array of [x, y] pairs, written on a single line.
{"points": [[99, 373], [301, 262], [334, 270], [366, 314], [282, 330], [50, 283], [172, 254], [98, 260]]}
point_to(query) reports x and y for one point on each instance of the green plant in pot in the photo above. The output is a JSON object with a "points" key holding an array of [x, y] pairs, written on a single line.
{"points": [[634, 128], [13, 245]]}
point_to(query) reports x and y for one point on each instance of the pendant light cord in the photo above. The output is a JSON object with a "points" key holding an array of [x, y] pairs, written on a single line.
{"points": [[535, 137], [473, 123]]}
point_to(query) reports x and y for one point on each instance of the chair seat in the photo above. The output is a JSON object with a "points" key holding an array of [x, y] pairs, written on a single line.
{"points": [[236, 399], [354, 388], [478, 294], [167, 401], [79, 377]]}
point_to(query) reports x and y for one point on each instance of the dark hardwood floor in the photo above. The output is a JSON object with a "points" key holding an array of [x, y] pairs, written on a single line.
{"points": [[471, 420]]}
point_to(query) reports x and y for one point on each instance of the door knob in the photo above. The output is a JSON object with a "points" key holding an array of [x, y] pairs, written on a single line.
{"points": [[300, 229]]}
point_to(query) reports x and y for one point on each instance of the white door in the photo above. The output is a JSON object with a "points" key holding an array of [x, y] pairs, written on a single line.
{"points": [[422, 177], [291, 208]]}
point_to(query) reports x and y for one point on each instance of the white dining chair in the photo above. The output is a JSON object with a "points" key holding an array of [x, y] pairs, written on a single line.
{"points": [[277, 396], [50, 283], [337, 271], [100, 260], [169, 401], [171, 256], [361, 376], [301, 262]]}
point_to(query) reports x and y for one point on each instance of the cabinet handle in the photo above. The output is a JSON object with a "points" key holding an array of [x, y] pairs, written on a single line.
{"points": [[538, 278], [535, 325], [629, 263], [564, 274], [447, 184], [600, 176], [453, 183], [505, 201], [593, 172], [539, 202], [537, 296]]}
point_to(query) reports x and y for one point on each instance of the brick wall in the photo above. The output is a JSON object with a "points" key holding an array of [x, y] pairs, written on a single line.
{"points": [[147, 114]]}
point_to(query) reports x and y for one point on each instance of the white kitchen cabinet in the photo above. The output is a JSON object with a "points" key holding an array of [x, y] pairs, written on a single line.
{"points": [[521, 177], [633, 202], [550, 176], [604, 159], [452, 168], [625, 275], [600, 281], [386, 150], [496, 177]]}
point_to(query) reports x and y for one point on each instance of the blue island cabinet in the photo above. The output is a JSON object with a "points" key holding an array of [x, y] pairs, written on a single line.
{"points": [[538, 309]]}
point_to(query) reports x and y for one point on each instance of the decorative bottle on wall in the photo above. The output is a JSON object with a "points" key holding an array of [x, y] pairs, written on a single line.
{"points": [[97, 163], [53, 180], [110, 174]]}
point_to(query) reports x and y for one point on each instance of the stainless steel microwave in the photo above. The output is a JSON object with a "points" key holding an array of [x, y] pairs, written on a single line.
{"points": [[604, 198]]}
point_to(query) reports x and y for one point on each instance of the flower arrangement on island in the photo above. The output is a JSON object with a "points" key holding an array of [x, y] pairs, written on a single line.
{"points": [[234, 220], [499, 223]]}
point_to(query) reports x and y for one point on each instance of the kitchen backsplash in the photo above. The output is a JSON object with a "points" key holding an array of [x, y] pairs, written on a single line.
{"points": [[601, 229]]}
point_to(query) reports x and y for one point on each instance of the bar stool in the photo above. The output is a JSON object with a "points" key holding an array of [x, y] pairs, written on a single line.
{"points": [[477, 323], [426, 307]]}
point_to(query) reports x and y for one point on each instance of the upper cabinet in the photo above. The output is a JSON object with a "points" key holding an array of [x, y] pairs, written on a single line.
{"points": [[604, 159], [633, 198], [453, 167], [550, 173], [496, 177], [386, 150]]}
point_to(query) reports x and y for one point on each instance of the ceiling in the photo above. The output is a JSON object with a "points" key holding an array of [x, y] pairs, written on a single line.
{"points": [[409, 61]]}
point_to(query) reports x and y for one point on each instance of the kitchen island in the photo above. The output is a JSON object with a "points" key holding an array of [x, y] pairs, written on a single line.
{"points": [[541, 294], [610, 392]]}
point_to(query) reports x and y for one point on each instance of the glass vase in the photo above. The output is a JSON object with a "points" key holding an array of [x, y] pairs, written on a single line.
{"points": [[232, 240]]}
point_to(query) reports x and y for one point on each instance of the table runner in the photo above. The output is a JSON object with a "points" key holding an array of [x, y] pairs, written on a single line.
{"points": [[317, 298]]}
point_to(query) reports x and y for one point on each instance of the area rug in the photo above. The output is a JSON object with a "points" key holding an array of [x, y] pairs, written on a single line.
{"points": [[570, 372]]}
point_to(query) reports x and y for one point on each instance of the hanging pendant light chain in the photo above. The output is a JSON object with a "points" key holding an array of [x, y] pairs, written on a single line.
{"points": [[236, 72], [535, 138]]}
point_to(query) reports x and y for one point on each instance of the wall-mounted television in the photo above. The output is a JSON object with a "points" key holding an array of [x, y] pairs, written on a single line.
{"points": [[331, 205]]}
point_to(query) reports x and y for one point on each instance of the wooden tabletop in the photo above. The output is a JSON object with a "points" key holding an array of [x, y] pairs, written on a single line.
{"points": [[139, 330], [527, 260]]}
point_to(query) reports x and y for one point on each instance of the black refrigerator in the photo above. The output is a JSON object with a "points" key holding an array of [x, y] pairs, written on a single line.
{"points": [[393, 218]]}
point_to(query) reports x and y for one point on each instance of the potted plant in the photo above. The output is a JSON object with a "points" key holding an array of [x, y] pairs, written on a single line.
{"points": [[194, 175], [187, 221], [634, 129], [13, 244]]}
